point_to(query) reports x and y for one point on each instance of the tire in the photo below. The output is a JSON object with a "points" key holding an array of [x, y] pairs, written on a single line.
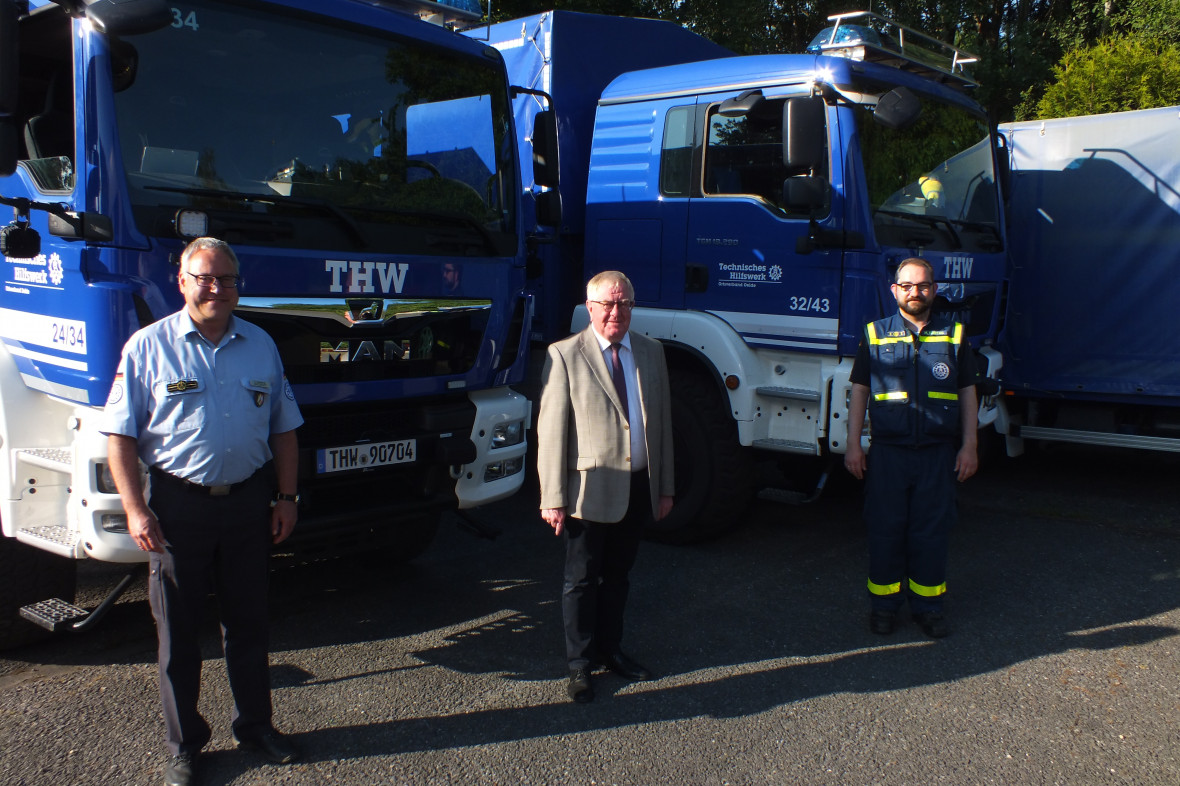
{"points": [[28, 575], [403, 542], [713, 472]]}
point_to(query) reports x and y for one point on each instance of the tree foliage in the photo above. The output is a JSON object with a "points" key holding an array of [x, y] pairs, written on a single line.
{"points": [[1115, 75], [1021, 43]]}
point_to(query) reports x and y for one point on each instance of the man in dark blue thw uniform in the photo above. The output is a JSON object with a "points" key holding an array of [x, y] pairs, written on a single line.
{"points": [[917, 376]]}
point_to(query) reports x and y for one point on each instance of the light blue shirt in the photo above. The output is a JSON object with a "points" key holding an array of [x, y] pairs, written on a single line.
{"points": [[634, 403], [199, 411]]}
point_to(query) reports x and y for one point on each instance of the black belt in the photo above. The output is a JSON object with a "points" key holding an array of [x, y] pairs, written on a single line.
{"points": [[188, 485]]}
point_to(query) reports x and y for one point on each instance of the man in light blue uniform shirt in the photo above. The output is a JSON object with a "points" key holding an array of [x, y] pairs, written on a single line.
{"points": [[200, 397]]}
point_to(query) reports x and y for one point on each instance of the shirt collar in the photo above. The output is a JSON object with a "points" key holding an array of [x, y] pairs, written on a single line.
{"points": [[604, 345], [189, 328]]}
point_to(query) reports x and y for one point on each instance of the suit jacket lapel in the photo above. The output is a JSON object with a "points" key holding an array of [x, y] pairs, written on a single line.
{"points": [[589, 348]]}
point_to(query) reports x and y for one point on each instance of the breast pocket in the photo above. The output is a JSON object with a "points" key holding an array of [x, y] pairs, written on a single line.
{"points": [[182, 405], [257, 402]]}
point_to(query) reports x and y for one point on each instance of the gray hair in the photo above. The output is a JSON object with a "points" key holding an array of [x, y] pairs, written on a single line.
{"points": [[208, 244], [609, 277]]}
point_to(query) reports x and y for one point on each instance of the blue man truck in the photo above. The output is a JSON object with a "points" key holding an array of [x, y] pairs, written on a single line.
{"points": [[1091, 352], [761, 205], [361, 161]]}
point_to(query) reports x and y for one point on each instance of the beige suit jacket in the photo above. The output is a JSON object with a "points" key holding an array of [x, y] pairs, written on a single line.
{"points": [[583, 443]]}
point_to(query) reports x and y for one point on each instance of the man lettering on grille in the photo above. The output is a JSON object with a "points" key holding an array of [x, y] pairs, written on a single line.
{"points": [[916, 373], [201, 399]]}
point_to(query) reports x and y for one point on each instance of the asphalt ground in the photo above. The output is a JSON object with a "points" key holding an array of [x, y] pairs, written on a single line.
{"points": [[1063, 666]]}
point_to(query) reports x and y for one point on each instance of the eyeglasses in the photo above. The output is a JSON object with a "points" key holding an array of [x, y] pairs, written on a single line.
{"points": [[205, 281], [924, 288], [611, 305]]}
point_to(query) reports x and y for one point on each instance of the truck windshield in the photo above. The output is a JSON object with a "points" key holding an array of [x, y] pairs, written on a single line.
{"points": [[932, 184], [289, 132]]}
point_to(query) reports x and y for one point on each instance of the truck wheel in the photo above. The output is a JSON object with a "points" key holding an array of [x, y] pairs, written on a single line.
{"points": [[28, 575], [713, 472], [411, 538]]}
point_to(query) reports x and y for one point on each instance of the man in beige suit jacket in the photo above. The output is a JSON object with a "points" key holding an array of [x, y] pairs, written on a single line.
{"points": [[604, 456]]}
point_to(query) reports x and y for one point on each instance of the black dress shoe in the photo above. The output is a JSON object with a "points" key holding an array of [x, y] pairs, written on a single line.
{"points": [[181, 770], [270, 744], [882, 622], [932, 623], [625, 667], [580, 688]]}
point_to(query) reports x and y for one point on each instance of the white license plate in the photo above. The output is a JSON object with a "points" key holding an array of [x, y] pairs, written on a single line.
{"points": [[365, 455]]}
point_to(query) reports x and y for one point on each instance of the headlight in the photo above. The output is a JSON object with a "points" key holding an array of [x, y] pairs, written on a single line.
{"points": [[508, 434], [104, 481], [502, 469], [114, 522]]}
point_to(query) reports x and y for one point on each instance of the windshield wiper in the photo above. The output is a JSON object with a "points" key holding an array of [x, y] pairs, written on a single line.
{"points": [[933, 221], [488, 241], [275, 199]]}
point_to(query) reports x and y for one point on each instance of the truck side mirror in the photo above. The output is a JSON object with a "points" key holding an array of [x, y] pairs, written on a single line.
{"points": [[9, 74], [545, 156], [1003, 165], [898, 109], [804, 193], [548, 207], [9, 143], [804, 137]]}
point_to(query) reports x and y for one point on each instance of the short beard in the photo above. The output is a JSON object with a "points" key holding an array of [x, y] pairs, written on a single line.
{"points": [[920, 309]]}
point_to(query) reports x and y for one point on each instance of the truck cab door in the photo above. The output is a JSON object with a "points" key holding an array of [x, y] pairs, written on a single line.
{"points": [[763, 181]]}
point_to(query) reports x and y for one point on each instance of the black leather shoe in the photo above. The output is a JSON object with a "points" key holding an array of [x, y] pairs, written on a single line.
{"points": [[625, 667], [932, 623], [181, 770], [882, 622], [580, 689], [270, 744]]}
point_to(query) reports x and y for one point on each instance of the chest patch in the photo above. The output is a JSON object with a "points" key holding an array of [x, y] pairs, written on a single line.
{"points": [[940, 370]]}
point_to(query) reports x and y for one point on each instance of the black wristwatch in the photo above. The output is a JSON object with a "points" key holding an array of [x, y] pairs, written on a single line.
{"points": [[287, 498]]}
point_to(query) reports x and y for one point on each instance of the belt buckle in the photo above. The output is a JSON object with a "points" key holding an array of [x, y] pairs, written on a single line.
{"points": [[219, 491]]}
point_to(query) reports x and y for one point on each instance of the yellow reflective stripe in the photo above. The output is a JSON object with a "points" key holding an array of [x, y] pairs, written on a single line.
{"points": [[897, 395], [876, 340], [885, 589], [939, 394], [954, 336], [927, 592]]}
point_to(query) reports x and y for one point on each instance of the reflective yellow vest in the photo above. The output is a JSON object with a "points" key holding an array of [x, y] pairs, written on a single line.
{"points": [[914, 394]]}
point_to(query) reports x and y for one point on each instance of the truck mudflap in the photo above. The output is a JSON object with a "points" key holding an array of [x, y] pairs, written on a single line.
{"points": [[502, 417]]}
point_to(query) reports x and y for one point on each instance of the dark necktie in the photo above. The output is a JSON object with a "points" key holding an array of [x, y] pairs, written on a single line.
{"points": [[616, 372]]}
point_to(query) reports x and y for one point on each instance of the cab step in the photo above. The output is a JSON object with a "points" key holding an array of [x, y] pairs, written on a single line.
{"points": [[55, 615], [53, 459], [54, 538]]}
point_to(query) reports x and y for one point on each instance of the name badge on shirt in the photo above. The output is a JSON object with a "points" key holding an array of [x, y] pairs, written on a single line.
{"points": [[258, 388]]}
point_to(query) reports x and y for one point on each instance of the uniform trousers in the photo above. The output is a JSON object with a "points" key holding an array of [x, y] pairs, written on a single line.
{"points": [[219, 544], [598, 561], [910, 509]]}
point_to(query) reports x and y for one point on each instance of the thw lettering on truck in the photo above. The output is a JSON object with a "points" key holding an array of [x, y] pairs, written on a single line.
{"points": [[391, 276]]}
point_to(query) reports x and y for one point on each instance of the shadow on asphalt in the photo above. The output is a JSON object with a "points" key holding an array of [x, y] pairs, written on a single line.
{"points": [[1060, 550]]}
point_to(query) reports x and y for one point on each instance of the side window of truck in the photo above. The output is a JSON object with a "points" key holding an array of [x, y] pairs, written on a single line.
{"points": [[676, 154], [46, 100], [744, 154]]}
